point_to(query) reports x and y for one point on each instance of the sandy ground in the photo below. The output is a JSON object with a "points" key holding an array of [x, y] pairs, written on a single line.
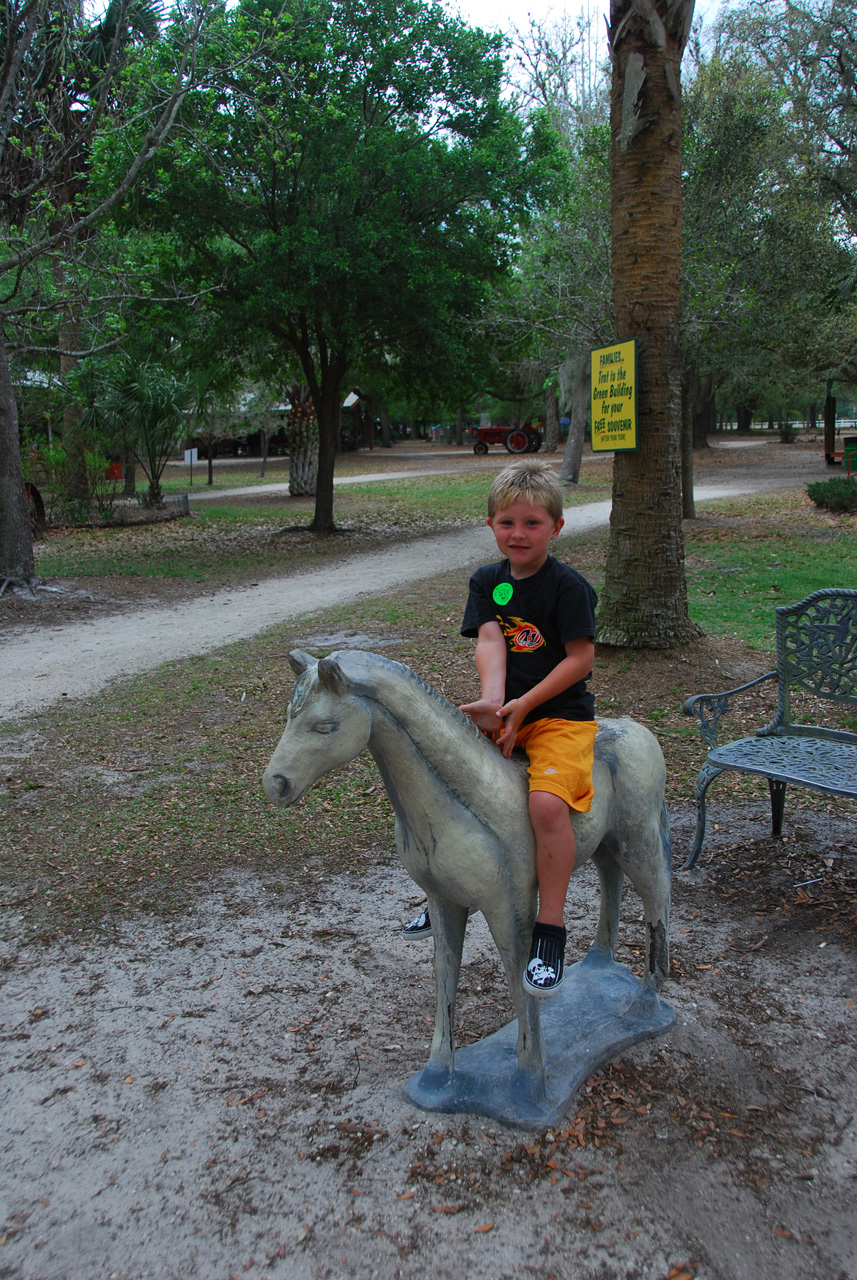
{"points": [[222, 1098], [226, 1102]]}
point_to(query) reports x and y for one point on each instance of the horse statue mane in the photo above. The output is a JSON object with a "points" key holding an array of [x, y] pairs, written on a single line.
{"points": [[422, 727]]}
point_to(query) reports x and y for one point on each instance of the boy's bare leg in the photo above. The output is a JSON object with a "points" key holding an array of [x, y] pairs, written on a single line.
{"points": [[551, 821]]}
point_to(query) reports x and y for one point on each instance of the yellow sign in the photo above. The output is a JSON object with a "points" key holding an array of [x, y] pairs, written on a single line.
{"points": [[614, 397]]}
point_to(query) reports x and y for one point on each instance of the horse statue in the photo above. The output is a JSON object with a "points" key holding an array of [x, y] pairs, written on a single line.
{"points": [[463, 834]]}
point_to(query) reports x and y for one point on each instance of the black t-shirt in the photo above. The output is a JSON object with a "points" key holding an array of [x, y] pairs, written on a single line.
{"points": [[537, 615]]}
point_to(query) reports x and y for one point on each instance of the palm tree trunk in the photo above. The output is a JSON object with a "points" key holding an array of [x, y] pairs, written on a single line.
{"points": [[644, 602], [303, 444]]}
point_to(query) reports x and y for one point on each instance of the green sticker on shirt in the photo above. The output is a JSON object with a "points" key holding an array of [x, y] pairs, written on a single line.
{"points": [[502, 593]]}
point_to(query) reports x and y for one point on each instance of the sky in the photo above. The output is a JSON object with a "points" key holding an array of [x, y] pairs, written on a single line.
{"points": [[493, 14]]}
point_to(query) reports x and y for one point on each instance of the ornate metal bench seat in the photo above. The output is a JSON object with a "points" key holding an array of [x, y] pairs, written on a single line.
{"points": [[817, 653]]}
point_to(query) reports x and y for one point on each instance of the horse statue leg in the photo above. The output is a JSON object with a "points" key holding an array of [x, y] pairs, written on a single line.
{"points": [[648, 867], [511, 930], [448, 924], [650, 876], [611, 878]]}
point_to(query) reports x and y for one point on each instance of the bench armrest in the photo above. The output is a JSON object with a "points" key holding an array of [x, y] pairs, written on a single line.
{"points": [[709, 707]]}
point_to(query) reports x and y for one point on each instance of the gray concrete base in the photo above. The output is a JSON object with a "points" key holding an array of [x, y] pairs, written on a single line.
{"points": [[600, 1010]]}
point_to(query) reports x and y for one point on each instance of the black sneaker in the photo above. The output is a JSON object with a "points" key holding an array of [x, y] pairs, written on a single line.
{"points": [[544, 973], [419, 927]]}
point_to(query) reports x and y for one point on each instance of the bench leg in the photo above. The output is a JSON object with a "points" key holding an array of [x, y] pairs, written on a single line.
{"points": [[706, 776], [778, 804]]}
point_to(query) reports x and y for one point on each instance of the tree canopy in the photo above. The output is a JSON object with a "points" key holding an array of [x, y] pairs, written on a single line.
{"points": [[352, 179], [62, 93]]}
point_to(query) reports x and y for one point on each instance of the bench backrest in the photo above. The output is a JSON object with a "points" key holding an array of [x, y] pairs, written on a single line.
{"points": [[817, 650]]}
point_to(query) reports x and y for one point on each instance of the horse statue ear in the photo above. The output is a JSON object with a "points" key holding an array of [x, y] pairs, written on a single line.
{"points": [[331, 677], [300, 661]]}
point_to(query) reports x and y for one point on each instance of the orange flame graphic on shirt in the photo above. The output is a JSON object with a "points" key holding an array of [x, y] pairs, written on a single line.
{"points": [[523, 637]]}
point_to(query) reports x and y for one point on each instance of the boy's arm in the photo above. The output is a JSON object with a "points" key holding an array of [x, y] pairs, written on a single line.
{"points": [[576, 665], [491, 669]]}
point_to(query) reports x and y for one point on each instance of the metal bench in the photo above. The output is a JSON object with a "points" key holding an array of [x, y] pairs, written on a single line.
{"points": [[816, 653]]}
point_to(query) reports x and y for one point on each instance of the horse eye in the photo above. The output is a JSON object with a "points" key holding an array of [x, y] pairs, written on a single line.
{"points": [[325, 726]]}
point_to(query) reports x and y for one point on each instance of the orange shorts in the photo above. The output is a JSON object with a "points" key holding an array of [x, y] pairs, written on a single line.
{"points": [[560, 755]]}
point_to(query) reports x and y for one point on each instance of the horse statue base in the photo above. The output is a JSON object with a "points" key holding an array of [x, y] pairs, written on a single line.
{"points": [[600, 1010]]}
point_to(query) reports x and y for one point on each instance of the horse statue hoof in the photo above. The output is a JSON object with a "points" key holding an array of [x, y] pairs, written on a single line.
{"points": [[428, 1087]]}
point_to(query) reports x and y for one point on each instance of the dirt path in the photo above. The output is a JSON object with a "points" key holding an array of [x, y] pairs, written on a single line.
{"points": [[98, 651]]}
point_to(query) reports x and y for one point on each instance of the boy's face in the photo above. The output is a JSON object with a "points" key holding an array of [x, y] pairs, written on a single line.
{"points": [[523, 534]]}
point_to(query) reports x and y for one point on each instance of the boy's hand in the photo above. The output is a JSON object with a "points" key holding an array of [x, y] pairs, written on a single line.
{"points": [[512, 717], [484, 715]]}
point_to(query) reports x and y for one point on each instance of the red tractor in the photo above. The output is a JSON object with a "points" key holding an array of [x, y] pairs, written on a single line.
{"points": [[516, 439]]}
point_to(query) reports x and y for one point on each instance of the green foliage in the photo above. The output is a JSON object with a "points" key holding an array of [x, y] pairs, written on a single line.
{"points": [[351, 182], [48, 466], [838, 494], [149, 402], [45, 465], [764, 334], [810, 51], [101, 486]]}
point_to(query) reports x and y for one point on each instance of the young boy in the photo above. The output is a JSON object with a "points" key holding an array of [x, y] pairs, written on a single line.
{"points": [[534, 623]]}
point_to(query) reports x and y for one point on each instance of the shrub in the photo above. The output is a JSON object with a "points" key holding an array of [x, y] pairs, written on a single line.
{"points": [[839, 494], [102, 487], [47, 466]]}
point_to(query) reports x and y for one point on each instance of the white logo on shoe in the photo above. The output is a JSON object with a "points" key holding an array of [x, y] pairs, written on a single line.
{"points": [[540, 973]]}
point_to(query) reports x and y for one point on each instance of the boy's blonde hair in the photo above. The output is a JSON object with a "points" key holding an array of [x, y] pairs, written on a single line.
{"points": [[526, 481]]}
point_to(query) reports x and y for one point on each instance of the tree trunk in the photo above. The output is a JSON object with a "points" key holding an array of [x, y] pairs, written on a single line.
{"points": [[209, 453], [688, 508], [386, 438], [703, 411], [303, 444], [644, 601], [325, 374], [829, 413], [367, 424], [264, 444], [698, 417], [77, 483], [551, 435], [129, 471], [744, 415], [329, 418], [17, 564], [575, 375]]}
